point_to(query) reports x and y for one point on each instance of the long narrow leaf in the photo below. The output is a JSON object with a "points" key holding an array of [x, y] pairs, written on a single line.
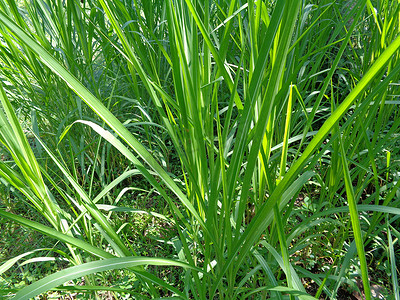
{"points": [[71, 273]]}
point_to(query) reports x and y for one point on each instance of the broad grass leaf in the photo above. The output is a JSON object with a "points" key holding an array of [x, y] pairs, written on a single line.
{"points": [[74, 272]]}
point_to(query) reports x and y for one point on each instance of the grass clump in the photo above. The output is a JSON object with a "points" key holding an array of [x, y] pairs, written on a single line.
{"points": [[202, 149]]}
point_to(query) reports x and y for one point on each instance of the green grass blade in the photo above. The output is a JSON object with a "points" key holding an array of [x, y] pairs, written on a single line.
{"points": [[74, 272], [286, 136], [9, 263], [294, 292], [393, 265], [355, 222], [57, 235]]}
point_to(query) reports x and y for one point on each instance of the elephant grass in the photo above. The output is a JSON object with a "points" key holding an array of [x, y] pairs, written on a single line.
{"points": [[253, 102]]}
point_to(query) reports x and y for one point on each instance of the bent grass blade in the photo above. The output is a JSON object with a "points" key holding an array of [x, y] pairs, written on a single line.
{"points": [[74, 272]]}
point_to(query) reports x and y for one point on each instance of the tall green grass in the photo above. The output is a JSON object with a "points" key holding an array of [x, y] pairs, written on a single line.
{"points": [[261, 125]]}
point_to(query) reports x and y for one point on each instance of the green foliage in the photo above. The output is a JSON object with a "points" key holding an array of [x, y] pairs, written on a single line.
{"points": [[201, 149]]}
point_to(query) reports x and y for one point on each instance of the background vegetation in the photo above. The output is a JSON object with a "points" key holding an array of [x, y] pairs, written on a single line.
{"points": [[199, 149]]}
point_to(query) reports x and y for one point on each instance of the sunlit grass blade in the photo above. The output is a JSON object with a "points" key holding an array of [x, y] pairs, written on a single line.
{"points": [[282, 168], [71, 273], [9, 263]]}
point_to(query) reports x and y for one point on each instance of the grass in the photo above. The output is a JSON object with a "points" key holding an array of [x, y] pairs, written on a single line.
{"points": [[201, 149]]}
